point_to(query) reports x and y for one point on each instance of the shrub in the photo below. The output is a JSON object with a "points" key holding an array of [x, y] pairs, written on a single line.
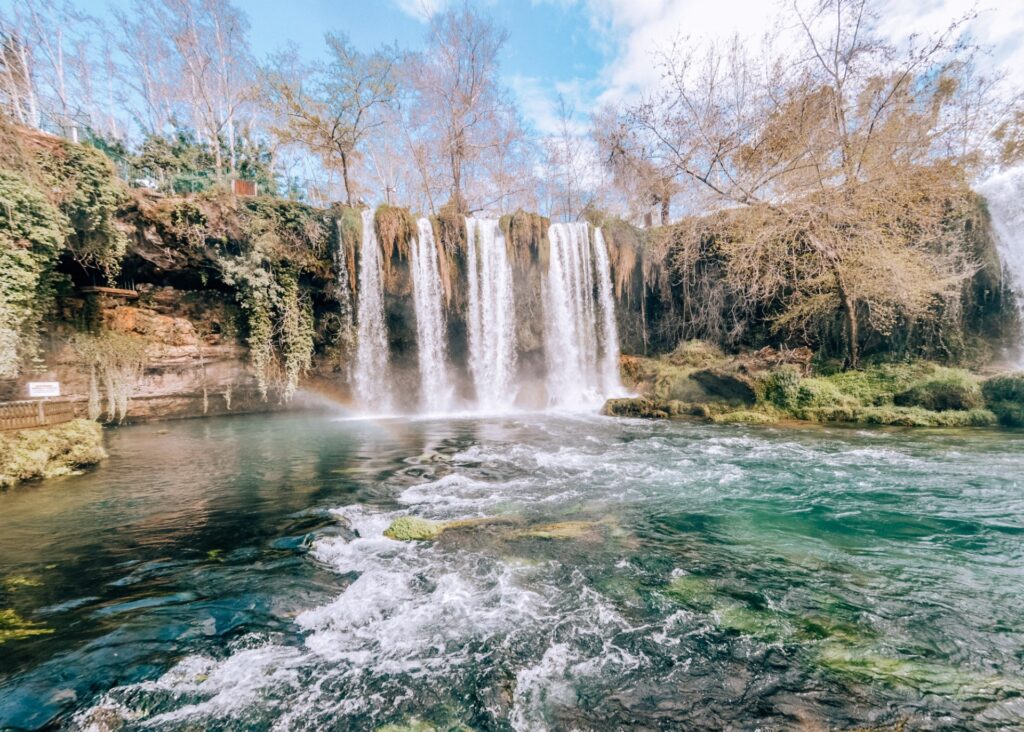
{"points": [[820, 394], [780, 387], [1004, 395], [950, 389]]}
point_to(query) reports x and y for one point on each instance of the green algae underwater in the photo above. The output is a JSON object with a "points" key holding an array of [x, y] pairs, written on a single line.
{"points": [[546, 572]]}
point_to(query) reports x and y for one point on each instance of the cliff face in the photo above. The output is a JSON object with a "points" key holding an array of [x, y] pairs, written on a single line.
{"points": [[192, 361]]}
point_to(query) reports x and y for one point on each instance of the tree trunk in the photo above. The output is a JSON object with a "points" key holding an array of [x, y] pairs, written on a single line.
{"points": [[344, 177], [666, 203], [852, 326]]}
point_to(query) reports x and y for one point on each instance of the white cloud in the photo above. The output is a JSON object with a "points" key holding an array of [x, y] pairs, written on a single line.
{"points": [[641, 29], [422, 10]]}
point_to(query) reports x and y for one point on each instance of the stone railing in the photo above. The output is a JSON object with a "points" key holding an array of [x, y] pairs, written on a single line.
{"points": [[35, 413]]}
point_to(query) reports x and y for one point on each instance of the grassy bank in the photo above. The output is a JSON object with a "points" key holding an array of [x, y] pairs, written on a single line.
{"points": [[50, 451], [770, 386]]}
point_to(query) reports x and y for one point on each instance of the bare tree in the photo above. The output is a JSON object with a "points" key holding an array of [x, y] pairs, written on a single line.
{"points": [[458, 97], [342, 104], [848, 154]]}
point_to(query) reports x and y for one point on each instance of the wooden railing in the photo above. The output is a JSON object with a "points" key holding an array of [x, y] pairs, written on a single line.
{"points": [[35, 413]]}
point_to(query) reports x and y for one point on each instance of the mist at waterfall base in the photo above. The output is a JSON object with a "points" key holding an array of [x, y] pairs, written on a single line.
{"points": [[626, 574], [479, 366], [1004, 195]]}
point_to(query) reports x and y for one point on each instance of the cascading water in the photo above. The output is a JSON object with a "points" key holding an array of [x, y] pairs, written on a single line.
{"points": [[1004, 193], [435, 385], [491, 316], [342, 293], [582, 353], [371, 376], [611, 383]]}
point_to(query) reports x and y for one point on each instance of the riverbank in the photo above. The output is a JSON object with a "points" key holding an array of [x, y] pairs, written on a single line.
{"points": [[696, 380]]}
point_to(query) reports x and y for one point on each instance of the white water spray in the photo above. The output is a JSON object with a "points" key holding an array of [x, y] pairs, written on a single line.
{"points": [[435, 385], [491, 316], [582, 354], [1004, 193], [371, 376]]}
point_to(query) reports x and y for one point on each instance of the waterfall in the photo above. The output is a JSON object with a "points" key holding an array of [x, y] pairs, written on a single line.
{"points": [[435, 386], [371, 376], [611, 383], [342, 293], [1004, 193], [582, 352], [491, 315]]}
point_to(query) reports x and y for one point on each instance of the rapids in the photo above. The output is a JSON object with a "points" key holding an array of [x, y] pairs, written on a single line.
{"points": [[614, 574]]}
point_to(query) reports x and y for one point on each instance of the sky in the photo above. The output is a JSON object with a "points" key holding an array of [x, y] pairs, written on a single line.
{"points": [[595, 51]]}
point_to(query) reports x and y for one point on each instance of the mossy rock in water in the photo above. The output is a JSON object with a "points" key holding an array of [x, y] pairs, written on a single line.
{"points": [[49, 452], [692, 591], [411, 528], [563, 530], [744, 416], [925, 676], [637, 407], [759, 624], [15, 582], [15, 627], [1004, 395]]}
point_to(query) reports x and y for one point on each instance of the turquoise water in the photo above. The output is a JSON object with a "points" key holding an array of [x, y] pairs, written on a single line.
{"points": [[233, 574]]}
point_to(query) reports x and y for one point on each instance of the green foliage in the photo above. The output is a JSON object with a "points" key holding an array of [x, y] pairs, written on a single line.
{"points": [[296, 334], [180, 164], [1004, 395], [31, 234], [88, 193], [949, 389], [50, 451], [780, 387]]}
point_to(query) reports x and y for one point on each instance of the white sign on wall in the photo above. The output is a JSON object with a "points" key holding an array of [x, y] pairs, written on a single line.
{"points": [[44, 388]]}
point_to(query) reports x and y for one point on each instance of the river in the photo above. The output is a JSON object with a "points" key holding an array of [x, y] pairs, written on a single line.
{"points": [[233, 574]]}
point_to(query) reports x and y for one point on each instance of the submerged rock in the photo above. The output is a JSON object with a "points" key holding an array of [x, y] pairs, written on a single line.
{"points": [[563, 530], [15, 627], [411, 528], [644, 408]]}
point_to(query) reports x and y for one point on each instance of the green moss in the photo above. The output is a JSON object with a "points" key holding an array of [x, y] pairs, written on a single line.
{"points": [[692, 590], [695, 354], [867, 664], [411, 528], [744, 416], [1004, 395], [15, 627], [878, 385], [49, 452], [561, 530], [780, 387], [947, 389]]}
